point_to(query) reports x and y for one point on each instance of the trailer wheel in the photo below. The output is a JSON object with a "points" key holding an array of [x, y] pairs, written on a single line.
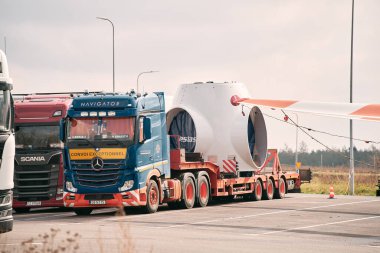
{"points": [[281, 190], [188, 191], [153, 195], [269, 192], [22, 209], [258, 193], [83, 211], [203, 195]]}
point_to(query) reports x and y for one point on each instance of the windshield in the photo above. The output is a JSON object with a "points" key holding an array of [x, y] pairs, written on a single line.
{"points": [[101, 128], [5, 101], [37, 137]]}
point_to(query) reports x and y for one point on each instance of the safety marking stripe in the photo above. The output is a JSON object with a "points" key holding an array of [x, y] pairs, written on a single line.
{"points": [[229, 165], [150, 166], [135, 195]]}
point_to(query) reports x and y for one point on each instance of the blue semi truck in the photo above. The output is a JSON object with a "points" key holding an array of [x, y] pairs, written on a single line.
{"points": [[113, 143], [118, 153]]}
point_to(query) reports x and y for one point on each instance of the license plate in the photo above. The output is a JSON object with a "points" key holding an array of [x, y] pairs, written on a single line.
{"points": [[33, 203], [97, 202]]}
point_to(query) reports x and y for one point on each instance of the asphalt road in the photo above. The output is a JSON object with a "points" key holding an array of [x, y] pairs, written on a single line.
{"points": [[298, 223]]}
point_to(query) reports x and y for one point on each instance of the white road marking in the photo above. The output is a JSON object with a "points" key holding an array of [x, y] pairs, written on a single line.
{"points": [[268, 213], [314, 226]]}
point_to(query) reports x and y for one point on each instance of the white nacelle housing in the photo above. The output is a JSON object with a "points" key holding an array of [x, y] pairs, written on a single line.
{"points": [[207, 123]]}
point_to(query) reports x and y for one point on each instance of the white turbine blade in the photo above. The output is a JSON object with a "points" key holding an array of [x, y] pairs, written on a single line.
{"points": [[359, 111]]}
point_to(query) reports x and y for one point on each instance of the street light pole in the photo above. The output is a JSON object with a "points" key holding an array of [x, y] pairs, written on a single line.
{"points": [[352, 165], [113, 52], [138, 77]]}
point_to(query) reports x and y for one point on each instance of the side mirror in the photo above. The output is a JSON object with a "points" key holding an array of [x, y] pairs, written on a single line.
{"points": [[62, 130]]}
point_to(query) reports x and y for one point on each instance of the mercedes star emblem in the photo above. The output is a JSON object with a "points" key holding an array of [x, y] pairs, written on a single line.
{"points": [[97, 163]]}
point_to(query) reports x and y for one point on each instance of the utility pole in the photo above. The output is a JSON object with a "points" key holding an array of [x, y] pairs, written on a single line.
{"points": [[321, 159], [352, 165], [296, 158]]}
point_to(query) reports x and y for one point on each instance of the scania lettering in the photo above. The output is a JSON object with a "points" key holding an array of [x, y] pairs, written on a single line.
{"points": [[127, 155], [32, 159], [38, 162], [7, 146]]}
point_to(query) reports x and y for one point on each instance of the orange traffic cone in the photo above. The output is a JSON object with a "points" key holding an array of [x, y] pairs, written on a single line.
{"points": [[331, 196]]}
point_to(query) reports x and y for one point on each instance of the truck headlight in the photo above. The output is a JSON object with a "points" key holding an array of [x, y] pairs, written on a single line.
{"points": [[6, 200], [59, 195], [127, 185], [70, 187]]}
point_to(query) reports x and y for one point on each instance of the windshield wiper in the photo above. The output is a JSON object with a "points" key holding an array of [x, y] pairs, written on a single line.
{"points": [[114, 139], [86, 140]]}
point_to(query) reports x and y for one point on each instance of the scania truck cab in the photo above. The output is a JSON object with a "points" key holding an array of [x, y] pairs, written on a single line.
{"points": [[7, 146], [113, 143], [38, 174]]}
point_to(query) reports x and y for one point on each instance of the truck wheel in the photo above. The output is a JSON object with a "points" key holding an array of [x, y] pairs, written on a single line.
{"points": [[153, 195], [22, 209], [83, 211], [280, 191], [269, 192], [203, 195], [258, 193], [188, 191]]}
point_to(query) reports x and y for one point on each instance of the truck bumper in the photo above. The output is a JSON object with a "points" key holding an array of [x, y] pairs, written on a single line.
{"points": [[6, 218], [36, 204], [130, 198], [6, 225]]}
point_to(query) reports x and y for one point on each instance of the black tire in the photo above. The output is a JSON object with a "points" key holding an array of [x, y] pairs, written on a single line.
{"points": [[153, 197], [258, 193], [269, 191], [83, 211], [22, 209], [281, 190], [188, 191], [203, 191]]}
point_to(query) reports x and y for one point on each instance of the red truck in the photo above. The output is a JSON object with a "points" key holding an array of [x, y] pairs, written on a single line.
{"points": [[38, 175]]}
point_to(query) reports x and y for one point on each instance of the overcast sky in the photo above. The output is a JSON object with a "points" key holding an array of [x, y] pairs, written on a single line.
{"points": [[279, 49]]}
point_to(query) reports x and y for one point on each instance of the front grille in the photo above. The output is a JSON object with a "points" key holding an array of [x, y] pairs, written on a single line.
{"points": [[36, 182], [86, 176]]}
